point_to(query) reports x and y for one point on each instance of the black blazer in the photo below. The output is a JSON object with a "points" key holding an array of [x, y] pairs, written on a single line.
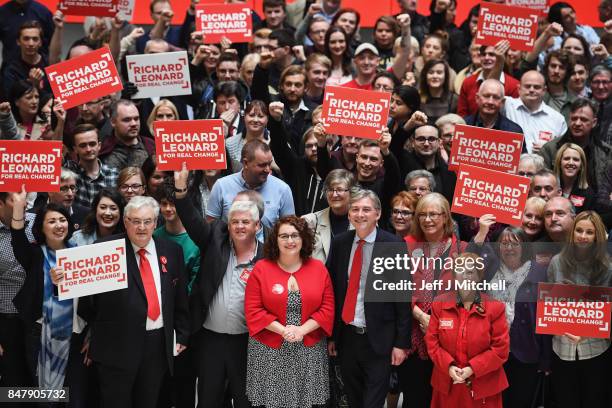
{"points": [[118, 319], [214, 242], [388, 323]]}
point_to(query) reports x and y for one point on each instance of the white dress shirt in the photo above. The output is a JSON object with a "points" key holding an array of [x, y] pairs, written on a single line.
{"points": [[151, 254], [543, 124]]}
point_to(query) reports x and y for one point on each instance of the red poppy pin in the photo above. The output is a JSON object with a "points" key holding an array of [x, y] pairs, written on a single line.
{"points": [[163, 261]]}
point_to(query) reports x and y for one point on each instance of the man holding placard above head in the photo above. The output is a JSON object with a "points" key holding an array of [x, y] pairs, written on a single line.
{"points": [[137, 331]]}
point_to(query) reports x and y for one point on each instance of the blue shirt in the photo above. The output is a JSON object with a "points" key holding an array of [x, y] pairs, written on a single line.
{"points": [[12, 16], [278, 200]]}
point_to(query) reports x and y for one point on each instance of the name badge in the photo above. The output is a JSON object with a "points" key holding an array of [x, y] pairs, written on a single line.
{"points": [[446, 324], [277, 289], [545, 136], [577, 200], [244, 276]]}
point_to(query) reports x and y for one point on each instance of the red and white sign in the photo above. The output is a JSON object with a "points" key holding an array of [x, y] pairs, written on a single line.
{"points": [[126, 9], [487, 148], [92, 269], [216, 21], [539, 5], [482, 191], [579, 310], [98, 8], [84, 78], [355, 112], [164, 74], [35, 163], [199, 143], [499, 22]]}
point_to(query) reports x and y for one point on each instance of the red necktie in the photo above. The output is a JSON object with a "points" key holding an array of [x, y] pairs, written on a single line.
{"points": [[350, 300], [146, 273]]}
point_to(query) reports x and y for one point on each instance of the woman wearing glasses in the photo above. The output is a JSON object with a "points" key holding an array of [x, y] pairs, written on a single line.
{"points": [[131, 182], [510, 262], [468, 343], [581, 365], [402, 211], [289, 309], [432, 237], [56, 344]]}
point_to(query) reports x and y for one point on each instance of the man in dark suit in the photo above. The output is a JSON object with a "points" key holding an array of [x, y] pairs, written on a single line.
{"points": [[133, 329], [368, 336], [228, 253]]}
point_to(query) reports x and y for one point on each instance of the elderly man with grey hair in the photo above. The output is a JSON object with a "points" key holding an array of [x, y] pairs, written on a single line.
{"points": [[137, 331], [228, 253], [530, 164], [446, 126], [64, 197], [420, 182], [490, 100]]}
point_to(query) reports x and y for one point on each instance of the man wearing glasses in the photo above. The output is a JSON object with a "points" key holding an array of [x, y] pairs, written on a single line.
{"points": [[137, 331], [425, 155], [64, 197]]}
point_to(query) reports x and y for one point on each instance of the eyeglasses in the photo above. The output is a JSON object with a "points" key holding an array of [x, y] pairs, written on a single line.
{"points": [[526, 173], [423, 139], [600, 83], [510, 245], [133, 187], [434, 216], [285, 237], [338, 191], [402, 213], [138, 223], [65, 189]]}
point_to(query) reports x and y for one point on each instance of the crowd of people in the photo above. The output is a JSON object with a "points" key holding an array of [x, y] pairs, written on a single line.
{"points": [[248, 287]]}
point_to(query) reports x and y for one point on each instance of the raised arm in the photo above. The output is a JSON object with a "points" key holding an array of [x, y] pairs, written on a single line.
{"points": [[197, 228], [401, 59]]}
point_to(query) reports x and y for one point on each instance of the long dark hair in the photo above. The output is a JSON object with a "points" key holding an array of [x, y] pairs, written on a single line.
{"points": [[424, 87], [90, 225], [37, 227], [19, 89], [346, 55]]}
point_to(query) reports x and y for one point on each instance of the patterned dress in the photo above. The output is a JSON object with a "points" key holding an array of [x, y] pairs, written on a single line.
{"points": [[294, 376]]}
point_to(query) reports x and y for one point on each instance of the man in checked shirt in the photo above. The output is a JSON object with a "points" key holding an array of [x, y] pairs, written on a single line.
{"points": [[92, 174], [13, 366]]}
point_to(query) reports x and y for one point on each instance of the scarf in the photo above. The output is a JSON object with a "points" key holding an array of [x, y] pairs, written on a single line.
{"points": [[56, 331], [514, 280]]}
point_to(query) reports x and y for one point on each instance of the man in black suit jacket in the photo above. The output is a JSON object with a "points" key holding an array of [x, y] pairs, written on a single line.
{"points": [[228, 253], [368, 337], [133, 329]]}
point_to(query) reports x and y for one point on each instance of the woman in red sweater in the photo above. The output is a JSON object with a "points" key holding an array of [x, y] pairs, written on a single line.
{"points": [[468, 341], [289, 308]]}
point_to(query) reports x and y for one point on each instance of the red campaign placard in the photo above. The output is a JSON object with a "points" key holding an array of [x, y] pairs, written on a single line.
{"points": [[224, 20], [539, 5], [35, 163], [355, 112], [487, 148], [84, 78], [482, 191], [579, 310], [500, 22], [99, 8], [199, 143]]}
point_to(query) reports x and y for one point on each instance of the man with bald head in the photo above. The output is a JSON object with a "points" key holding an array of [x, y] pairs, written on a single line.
{"points": [[539, 121], [490, 100]]}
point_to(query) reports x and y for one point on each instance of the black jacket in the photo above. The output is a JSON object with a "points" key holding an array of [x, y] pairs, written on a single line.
{"points": [[118, 318], [388, 323], [306, 185], [214, 242]]}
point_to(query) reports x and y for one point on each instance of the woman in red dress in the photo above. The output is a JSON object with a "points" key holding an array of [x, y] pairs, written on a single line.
{"points": [[468, 342]]}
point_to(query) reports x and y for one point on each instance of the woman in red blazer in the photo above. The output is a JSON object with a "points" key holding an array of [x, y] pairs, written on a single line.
{"points": [[468, 342], [289, 308]]}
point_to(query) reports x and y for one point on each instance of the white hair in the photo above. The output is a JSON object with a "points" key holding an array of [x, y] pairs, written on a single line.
{"points": [[493, 81], [138, 202], [244, 206], [67, 175]]}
